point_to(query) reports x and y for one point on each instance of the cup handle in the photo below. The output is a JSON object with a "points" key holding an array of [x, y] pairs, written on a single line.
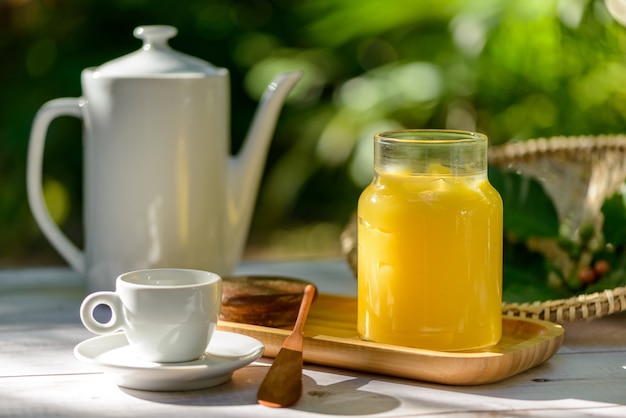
{"points": [[45, 115], [102, 298]]}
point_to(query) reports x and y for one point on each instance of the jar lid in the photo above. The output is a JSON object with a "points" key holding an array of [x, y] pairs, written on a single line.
{"points": [[156, 57]]}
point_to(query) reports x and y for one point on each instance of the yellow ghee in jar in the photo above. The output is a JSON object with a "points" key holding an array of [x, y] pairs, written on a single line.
{"points": [[430, 261]]}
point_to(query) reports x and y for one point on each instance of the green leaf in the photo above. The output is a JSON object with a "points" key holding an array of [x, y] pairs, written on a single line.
{"points": [[522, 286], [615, 278], [525, 276], [528, 210], [614, 228]]}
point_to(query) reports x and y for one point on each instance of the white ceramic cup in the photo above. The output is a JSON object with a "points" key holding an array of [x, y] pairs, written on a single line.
{"points": [[168, 315]]}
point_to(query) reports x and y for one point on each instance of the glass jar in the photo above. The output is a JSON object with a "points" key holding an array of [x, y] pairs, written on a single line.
{"points": [[430, 243]]}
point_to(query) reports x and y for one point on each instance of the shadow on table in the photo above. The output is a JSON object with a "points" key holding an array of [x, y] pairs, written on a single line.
{"points": [[555, 380], [342, 398], [568, 380], [545, 386]]}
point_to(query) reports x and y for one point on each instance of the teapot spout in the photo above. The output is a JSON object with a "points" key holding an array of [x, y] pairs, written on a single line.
{"points": [[246, 168]]}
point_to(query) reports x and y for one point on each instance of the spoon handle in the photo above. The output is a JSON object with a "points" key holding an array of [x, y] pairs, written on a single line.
{"points": [[282, 385], [294, 340]]}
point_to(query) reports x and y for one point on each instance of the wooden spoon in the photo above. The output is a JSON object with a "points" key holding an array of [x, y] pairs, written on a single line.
{"points": [[282, 385]]}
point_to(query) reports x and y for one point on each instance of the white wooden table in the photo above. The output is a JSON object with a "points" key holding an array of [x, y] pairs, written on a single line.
{"points": [[39, 376]]}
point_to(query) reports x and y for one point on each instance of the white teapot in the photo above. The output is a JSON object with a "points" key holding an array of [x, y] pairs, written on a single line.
{"points": [[160, 186]]}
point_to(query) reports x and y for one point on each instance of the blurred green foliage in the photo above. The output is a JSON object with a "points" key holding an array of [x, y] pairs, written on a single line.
{"points": [[511, 69]]}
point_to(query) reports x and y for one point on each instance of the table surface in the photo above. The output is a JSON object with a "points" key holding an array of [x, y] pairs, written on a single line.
{"points": [[40, 377]]}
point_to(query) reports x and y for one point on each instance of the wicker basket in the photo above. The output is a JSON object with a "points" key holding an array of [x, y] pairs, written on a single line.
{"points": [[578, 173]]}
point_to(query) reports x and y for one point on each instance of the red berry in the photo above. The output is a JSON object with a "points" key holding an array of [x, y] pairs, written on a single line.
{"points": [[587, 276], [601, 267]]}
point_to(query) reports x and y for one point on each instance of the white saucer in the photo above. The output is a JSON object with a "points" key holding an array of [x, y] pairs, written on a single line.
{"points": [[226, 353]]}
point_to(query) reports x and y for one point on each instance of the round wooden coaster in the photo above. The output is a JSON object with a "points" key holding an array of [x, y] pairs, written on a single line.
{"points": [[270, 301]]}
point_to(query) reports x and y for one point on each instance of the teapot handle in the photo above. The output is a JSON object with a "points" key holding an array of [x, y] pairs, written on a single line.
{"points": [[45, 115]]}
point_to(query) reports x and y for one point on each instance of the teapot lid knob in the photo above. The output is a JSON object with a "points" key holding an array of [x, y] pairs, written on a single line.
{"points": [[155, 36], [156, 58]]}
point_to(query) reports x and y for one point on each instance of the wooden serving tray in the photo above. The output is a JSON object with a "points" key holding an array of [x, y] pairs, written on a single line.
{"points": [[331, 339]]}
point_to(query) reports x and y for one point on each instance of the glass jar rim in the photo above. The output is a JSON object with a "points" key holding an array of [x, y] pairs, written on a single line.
{"points": [[431, 136]]}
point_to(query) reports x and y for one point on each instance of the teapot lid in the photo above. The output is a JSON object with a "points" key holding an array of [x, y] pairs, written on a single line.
{"points": [[156, 57]]}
